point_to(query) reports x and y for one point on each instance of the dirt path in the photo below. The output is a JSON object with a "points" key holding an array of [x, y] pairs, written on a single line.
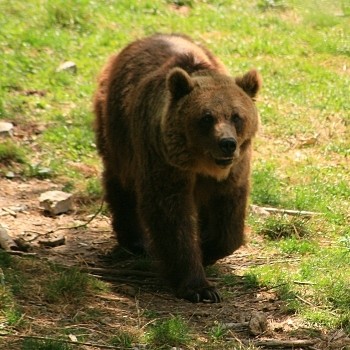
{"points": [[138, 298]]}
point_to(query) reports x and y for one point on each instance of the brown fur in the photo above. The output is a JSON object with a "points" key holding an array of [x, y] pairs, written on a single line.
{"points": [[174, 131]]}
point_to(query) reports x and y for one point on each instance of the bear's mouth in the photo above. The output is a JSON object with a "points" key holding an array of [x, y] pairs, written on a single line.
{"points": [[223, 162]]}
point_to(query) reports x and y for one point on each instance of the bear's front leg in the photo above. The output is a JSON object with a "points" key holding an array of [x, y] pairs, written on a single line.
{"points": [[168, 213], [223, 232]]}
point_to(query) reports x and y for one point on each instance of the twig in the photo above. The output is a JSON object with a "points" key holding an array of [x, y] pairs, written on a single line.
{"points": [[304, 301], [101, 346], [69, 227], [275, 343], [304, 213], [80, 225], [305, 283], [10, 212]]}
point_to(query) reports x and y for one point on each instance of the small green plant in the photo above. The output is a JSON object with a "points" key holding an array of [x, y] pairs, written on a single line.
{"points": [[5, 259], [94, 188], [124, 339], [251, 280], [68, 285], [38, 171], [170, 332], [10, 152], [13, 316], [278, 227], [218, 332], [34, 344]]}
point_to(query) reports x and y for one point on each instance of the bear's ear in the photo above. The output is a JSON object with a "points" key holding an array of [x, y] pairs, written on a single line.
{"points": [[179, 83], [250, 82]]}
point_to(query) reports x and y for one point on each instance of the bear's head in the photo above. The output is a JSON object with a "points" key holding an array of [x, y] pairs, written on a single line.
{"points": [[210, 120]]}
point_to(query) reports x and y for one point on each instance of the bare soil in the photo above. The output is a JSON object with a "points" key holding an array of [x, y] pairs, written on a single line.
{"points": [[138, 297]]}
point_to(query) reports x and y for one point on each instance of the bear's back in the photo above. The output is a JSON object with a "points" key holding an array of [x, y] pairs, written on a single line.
{"points": [[146, 56]]}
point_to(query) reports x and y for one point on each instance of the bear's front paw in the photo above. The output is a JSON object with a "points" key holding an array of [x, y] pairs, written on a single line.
{"points": [[205, 295]]}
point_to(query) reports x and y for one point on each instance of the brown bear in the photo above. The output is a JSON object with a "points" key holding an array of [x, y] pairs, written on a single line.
{"points": [[175, 133]]}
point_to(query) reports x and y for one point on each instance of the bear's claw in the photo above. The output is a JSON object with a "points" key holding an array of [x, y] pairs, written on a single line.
{"points": [[205, 295]]}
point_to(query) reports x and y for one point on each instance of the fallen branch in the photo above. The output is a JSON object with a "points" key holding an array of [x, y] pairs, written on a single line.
{"points": [[6, 242], [275, 343], [10, 212], [307, 283], [267, 210]]}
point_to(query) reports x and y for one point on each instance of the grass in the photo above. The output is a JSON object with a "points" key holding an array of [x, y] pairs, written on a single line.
{"points": [[170, 332], [68, 286], [33, 344], [10, 152], [302, 50], [124, 339]]}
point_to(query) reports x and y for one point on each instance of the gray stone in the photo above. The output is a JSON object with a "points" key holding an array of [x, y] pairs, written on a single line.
{"points": [[10, 175], [257, 323], [68, 66], [6, 129], [56, 202]]}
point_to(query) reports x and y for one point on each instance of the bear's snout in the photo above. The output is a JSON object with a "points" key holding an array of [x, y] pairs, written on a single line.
{"points": [[228, 146]]}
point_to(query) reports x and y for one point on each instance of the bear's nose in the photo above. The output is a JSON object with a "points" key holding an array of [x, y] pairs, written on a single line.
{"points": [[228, 146]]}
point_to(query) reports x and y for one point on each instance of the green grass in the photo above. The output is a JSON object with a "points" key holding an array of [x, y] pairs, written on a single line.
{"points": [[10, 152], [277, 227], [124, 339], [33, 344], [170, 332], [301, 158], [67, 286], [218, 332], [30, 279]]}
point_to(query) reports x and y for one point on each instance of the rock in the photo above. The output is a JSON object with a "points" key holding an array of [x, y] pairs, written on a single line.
{"points": [[6, 129], [259, 211], [56, 202], [68, 66], [10, 175], [257, 323]]}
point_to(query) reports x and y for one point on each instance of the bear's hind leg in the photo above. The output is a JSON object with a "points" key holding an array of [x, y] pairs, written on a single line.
{"points": [[125, 221]]}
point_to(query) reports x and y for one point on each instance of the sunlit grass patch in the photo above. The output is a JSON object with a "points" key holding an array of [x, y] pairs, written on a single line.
{"points": [[173, 331], [11, 152], [316, 287], [267, 188]]}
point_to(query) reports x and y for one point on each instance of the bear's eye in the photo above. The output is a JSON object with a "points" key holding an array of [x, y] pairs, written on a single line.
{"points": [[235, 118], [207, 120], [237, 121]]}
